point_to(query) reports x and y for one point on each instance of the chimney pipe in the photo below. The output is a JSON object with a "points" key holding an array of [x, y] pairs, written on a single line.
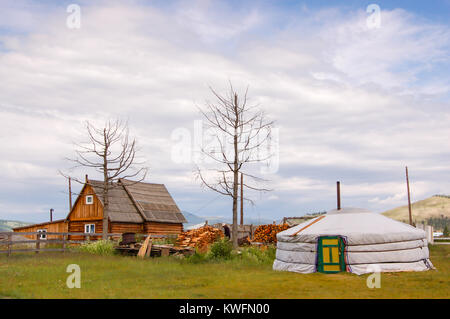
{"points": [[51, 214], [87, 179], [338, 185]]}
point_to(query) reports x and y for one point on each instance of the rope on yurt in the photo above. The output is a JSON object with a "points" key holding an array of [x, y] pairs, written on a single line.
{"points": [[315, 221]]}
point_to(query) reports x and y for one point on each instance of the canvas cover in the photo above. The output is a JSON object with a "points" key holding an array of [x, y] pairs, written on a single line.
{"points": [[371, 240]]}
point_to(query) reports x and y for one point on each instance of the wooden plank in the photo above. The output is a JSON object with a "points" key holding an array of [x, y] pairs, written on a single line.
{"points": [[159, 236], [24, 242], [31, 250], [60, 233], [149, 249], [50, 241], [144, 246]]}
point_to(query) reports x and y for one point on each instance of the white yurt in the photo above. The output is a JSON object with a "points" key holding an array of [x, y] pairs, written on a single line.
{"points": [[353, 240]]}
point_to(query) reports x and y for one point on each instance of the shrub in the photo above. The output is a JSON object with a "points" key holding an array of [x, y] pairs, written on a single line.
{"points": [[221, 249], [99, 247], [445, 232], [196, 258], [258, 255]]}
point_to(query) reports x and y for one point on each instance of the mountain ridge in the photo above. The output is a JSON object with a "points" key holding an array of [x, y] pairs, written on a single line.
{"points": [[436, 206], [8, 225]]}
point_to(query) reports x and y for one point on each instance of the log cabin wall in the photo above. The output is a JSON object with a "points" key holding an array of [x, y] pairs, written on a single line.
{"points": [[84, 211], [163, 228], [52, 227], [117, 227], [78, 227]]}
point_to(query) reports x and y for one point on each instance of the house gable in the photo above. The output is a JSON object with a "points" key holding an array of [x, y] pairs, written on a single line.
{"points": [[84, 211]]}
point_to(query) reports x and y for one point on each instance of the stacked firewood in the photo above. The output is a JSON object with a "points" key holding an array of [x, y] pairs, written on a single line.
{"points": [[268, 233], [200, 238]]}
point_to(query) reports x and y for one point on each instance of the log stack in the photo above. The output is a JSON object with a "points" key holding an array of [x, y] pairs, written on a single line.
{"points": [[199, 238], [267, 234]]}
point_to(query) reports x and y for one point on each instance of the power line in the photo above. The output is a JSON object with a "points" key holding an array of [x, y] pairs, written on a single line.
{"points": [[207, 204]]}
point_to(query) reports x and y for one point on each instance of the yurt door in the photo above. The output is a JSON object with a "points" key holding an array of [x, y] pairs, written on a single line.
{"points": [[330, 254]]}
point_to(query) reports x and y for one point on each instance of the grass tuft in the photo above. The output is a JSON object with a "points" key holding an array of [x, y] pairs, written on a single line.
{"points": [[98, 247]]}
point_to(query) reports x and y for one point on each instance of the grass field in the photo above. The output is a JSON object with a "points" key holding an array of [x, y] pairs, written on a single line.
{"points": [[44, 276]]}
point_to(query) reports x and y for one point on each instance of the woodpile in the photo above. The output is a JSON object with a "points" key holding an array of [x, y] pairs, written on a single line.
{"points": [[199, 238], [153, 250], [267, 234]]}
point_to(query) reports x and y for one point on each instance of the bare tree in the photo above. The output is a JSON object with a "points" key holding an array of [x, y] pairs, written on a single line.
{"points": [[240, 132], [111, 152]]}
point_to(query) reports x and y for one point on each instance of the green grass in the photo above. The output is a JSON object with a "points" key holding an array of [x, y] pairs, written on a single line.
{"points": [[44, 276]]}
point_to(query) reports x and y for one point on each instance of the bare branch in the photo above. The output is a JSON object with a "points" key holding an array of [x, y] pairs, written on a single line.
{"points": [[110, 151], [248, 130]]}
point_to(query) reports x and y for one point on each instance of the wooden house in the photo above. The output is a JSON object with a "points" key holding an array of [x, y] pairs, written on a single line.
{"points": [[133, 207], [56, 226]]}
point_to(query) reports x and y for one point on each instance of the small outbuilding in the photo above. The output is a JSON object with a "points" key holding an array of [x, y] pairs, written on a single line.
{"points": [[353, 240]]}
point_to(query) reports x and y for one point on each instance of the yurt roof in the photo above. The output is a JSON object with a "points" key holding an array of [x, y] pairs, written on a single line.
{"points": [[358, 227]]}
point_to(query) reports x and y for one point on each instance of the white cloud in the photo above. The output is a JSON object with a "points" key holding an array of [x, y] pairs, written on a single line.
{"points": [[345, 98]]}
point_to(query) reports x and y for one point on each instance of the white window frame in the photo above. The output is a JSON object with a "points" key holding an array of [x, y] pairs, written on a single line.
{"points": [[42, 236], [89, 199], [89, 228]]}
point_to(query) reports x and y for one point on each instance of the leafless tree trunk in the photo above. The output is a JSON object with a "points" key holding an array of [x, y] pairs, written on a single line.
{"points": [[240, 131], [111, 152]]}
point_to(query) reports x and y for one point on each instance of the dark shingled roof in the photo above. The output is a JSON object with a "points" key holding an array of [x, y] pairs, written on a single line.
{"points": [[134, 202]]}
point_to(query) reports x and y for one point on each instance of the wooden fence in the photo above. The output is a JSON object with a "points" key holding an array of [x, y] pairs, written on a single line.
{"points": [[6, 239]]}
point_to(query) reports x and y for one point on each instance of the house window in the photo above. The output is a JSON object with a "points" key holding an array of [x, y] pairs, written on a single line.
{"points": [[89, 199], [43, 234], [89, 228]]}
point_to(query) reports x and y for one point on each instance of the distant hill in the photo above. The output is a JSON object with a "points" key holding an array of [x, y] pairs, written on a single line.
{"points": [[194, 220], [8, 225], [437, 206]]}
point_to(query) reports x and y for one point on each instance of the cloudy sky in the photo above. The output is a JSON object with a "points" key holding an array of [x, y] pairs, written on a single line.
{"points": [[355, 98]]}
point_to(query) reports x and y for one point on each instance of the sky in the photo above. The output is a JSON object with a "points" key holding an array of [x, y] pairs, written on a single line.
{"points": [[356, 95]]}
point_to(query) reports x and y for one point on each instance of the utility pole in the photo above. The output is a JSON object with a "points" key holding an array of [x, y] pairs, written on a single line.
{"points": [[409, 197], [242, 199], [70, 195]]}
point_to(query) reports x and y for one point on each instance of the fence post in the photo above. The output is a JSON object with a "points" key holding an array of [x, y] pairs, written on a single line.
{"points": [[64, 243], [38, 242], [9, 244], [429, 232]]}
